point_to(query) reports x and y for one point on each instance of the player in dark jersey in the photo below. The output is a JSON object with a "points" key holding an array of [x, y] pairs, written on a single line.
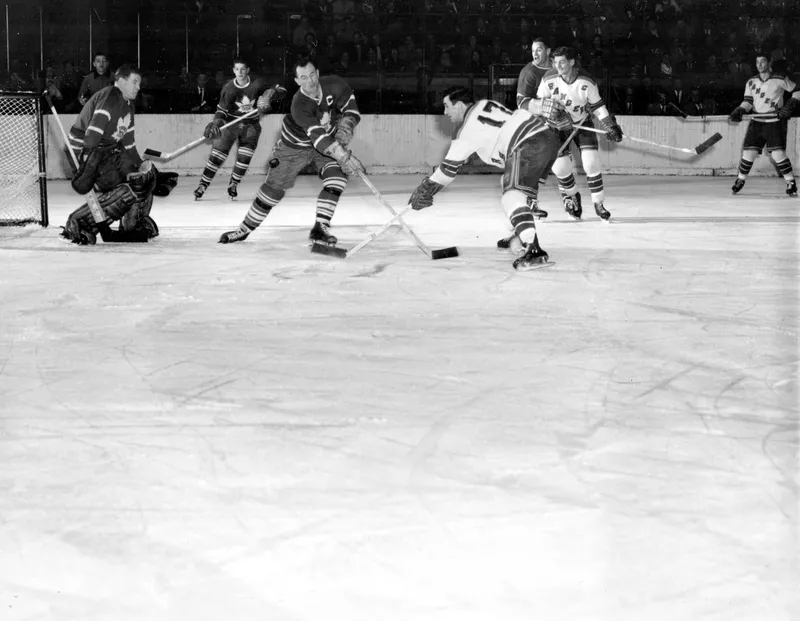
{"points": [[316, 131], [237, 98], [103, 138]]}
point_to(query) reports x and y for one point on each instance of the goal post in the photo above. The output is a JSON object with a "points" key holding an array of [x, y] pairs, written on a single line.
{"points": [[23, 175]]}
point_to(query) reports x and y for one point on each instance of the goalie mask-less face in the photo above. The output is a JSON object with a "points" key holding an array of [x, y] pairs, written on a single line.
{"points": [[129, 86]]}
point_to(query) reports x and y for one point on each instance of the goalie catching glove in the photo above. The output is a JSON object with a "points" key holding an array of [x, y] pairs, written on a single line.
{"points": [[556, 114], [422, 197], [613, 131], [213, 130], [349, 163]]}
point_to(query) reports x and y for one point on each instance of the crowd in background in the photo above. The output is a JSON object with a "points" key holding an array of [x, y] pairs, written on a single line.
{"points": [[645, 54]]}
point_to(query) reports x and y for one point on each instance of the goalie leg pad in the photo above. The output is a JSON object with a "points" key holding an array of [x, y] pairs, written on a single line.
{"points": [[80, 227], [117, 202], [138, 218]]}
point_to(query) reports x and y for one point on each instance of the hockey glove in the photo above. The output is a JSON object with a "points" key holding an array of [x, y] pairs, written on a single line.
{"points": [[737, 114], [556, 115], [213, 130], [349, 163], [613, 131], [143, 182], [788, 109], [422, 197], [344, 129]]}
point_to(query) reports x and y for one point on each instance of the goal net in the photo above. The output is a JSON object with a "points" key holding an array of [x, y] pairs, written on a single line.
{"points": [[23, 183]]}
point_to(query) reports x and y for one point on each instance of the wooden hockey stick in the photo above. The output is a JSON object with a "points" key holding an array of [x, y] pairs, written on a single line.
{"points": [[168, 156], [701, 148], [341, 253], [761, 115], [442, 253]]}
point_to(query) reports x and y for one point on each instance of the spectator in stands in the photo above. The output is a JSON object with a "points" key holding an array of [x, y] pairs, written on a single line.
{"points": [[476, 64], [203, 97], [97, 79], [300, 31], [629, 104], [407, 54], [393, 63], [69, 84], [695, 105], [358, 49], [660, 107], [342, 66], [328, 53], [50, 84], [677, 94], [378, 48], [309, 48]]}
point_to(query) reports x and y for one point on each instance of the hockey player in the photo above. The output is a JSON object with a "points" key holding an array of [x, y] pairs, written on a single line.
{"points": [[236, 99], [317, 130], [578, 93], [103, 137], [764, 94], [523, 145], [527, 87]]}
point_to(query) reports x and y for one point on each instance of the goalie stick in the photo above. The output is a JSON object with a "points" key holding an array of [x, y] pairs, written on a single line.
{"points": [[168, 156], [701, 148], [341, 253], [99, 216], [442, 253]]}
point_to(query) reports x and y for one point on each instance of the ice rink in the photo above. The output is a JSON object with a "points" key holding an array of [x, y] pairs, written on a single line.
{"points": [[198, 432]]}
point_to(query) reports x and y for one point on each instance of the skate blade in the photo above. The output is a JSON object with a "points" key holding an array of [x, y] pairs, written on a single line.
{"points": [[444, 253], [537, 266], [331, 251]]}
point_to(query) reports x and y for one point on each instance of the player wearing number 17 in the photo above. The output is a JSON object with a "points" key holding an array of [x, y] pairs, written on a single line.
{"points": [[577, 92], [523, 145]]}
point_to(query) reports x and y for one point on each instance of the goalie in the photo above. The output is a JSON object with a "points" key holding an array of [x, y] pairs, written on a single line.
{"points": [[103, 136], [524, 146]]}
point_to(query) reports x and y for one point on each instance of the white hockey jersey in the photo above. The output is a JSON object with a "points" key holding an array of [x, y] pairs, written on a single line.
{"points": [[767, 95], [491, 131], [581, 97]]}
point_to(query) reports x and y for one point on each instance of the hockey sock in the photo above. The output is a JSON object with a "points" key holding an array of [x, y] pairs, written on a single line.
{"points": [[260, 208], [215, 160], [744, 168], [523, 222], [596, 187], [567, 184], [785, 169], [243, 157], [326, 204]]}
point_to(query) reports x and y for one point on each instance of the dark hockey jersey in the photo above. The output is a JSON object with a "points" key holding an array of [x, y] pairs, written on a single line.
{"points": [[529, 79], [312, 123], [106, 119], [236, 101]]}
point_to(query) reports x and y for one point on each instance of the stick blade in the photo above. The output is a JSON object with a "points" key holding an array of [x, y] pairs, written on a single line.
{"points": [[444, 253], [153, 153], [706, 145], [331, 251]]}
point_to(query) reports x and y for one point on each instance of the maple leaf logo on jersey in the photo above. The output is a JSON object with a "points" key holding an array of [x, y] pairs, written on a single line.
{"points": [[325, 120], [245, 105], [122, 127]]}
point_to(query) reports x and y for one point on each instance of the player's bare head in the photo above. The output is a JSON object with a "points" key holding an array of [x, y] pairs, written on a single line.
{"points": [[457, 100], [539, 52], [306, 76], [100, 63], [564, 60], [762, 64], [128, 79]]}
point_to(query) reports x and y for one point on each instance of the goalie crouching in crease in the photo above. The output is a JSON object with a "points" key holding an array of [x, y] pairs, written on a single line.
{"points": [[110, 165], [522, 144]]}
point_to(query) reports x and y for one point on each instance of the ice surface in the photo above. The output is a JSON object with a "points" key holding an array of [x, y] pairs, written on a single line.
{"points": [[192, 431]]}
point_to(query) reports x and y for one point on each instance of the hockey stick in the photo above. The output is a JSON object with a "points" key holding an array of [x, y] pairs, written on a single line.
{"points": [[341, 253], [701, 148], [678, 111], [168, 156], [442, 253], [761, 115]]}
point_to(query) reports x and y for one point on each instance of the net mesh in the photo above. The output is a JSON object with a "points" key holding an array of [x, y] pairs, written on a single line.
{"points": [[20, 194]]}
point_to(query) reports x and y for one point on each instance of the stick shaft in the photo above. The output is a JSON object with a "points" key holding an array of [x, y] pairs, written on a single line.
{"points": [[377, 233], [642, 140], [383, 201], [194, 143]]}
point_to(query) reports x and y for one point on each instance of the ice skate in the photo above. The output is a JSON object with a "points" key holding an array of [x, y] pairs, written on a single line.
{"points": [[512, 244], [539, 214], [232, 191], [321, 234], [534, 258], [602, 212], [738, 185], [238, 235], [791, 188], [199, 191], [572, 205]]}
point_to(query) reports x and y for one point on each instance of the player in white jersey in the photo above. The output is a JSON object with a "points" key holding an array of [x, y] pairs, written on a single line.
{"points": [[523, 145], [763, 94], [578, 93]]}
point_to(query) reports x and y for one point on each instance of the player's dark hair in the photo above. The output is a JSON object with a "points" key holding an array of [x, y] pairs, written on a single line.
{"points": [[241, 61], [458, 93], [125, 71], [96, 54], [565, 51], [302, 61], [540, 40]]}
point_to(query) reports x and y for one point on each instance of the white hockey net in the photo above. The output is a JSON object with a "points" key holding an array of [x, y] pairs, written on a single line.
{"points": [[23, 189]]}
